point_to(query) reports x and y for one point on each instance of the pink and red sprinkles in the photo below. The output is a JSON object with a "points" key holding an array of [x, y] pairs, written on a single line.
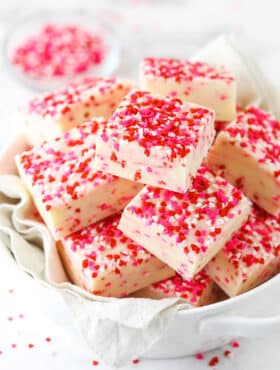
{"points": [[190, 290], [61, 170], [59, 50], [86, 91], [256, 243], [29, 345], [218, 358], [100, 243], [156, 122], [258, 133], [183, 70], [211, 200]]}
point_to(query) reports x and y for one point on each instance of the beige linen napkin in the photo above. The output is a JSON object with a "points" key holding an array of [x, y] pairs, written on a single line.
{"points": [[117, 330]]}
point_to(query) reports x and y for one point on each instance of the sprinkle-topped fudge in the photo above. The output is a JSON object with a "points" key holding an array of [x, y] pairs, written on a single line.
{"points": [[247, 154], [105, 262], [50, 115], [194, 82], [186, 230], [199, 291], [220, 125], [68, 191], [250, 257], [155, 141]]}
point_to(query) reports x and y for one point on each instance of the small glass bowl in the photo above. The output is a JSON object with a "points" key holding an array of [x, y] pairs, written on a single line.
{"points": [[31, 24]]}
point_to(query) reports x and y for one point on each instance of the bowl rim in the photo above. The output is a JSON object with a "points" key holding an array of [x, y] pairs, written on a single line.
{"points": [[230, 301]]}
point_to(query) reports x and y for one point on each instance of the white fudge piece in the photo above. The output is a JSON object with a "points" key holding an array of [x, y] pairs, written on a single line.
{"points": [[199, 291], [102, 260], [49, 115], [247, 154], [186, 230], [250, 257], [67, 190], [194, 82], [155, 141]]}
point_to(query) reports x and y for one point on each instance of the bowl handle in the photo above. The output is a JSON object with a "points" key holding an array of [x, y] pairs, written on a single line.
{"points": [[238, 326]]}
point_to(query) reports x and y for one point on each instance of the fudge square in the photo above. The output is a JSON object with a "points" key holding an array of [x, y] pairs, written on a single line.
{"points": [[247, 154], [156, 141], [49, 115], [250, 257], [186, 230], [67, 190], [199, 291], [194, 82], [102, 260]]}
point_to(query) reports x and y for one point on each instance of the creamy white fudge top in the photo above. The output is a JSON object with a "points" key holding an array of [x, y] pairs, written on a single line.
{"points": [[191, 289], [183, 70], [255, 244], [201, 212], [105, 250], [156, 125], [91, 89], [257, 133], [62, 170]]}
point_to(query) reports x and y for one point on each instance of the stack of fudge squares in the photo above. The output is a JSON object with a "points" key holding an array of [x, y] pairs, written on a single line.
{"points": [[144, 197]]}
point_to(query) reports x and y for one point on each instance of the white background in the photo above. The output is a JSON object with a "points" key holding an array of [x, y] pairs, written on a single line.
{"points": [[167, 28]]}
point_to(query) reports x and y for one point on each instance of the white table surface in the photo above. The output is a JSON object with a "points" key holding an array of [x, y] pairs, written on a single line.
{"points": [[29, 313]]}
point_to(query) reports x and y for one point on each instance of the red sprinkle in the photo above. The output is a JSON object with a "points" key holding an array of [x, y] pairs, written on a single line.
{"points": [[59, 50], [95, 363], [30, 345], [227, 353], [214, 361], [135, 361]]}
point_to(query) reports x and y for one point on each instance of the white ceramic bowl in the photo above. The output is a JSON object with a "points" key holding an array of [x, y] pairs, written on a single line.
{"points": [[252, 314], [200, 329]]}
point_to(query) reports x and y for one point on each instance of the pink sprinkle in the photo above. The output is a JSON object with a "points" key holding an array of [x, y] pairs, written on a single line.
{"points": [[13, 345], [44, 53], [173, 94], [235, 344], [199, 356], [223, 97]]}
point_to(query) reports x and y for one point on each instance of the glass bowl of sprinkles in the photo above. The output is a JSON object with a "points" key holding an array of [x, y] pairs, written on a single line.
{"points": [[47, 50]]}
